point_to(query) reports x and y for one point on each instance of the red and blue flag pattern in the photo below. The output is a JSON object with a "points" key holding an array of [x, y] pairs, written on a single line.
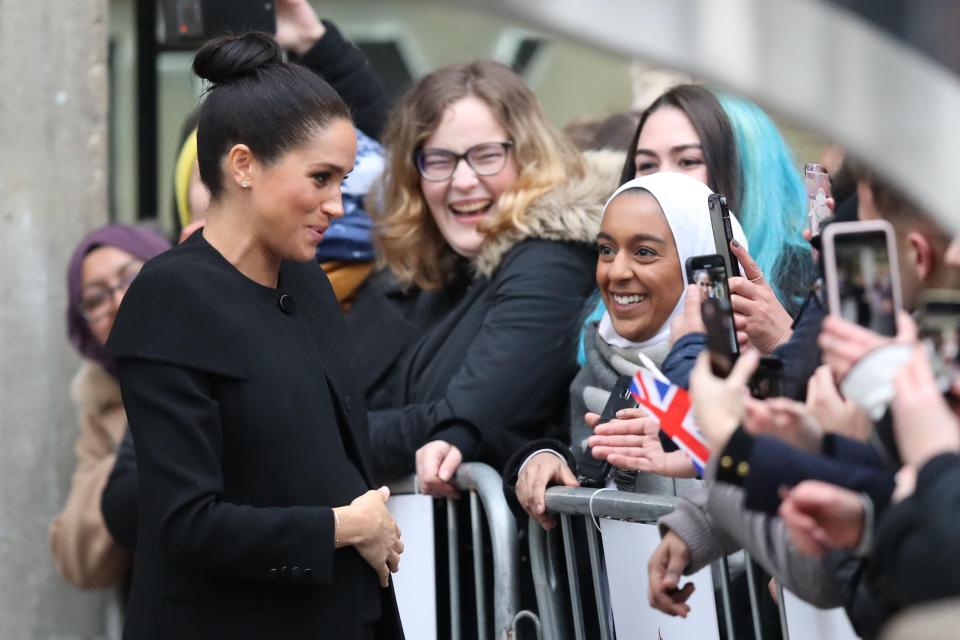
{"points": [[670, 406]]}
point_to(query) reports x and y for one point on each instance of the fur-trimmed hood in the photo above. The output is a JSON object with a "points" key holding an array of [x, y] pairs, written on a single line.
{"points": [[569, 212], [94, 389]]}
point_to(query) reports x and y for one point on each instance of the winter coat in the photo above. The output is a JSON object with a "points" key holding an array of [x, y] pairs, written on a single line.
{"points": [[83, 550], [485, 362]]}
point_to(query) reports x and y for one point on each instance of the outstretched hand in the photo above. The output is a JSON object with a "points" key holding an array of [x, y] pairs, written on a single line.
{"points": [[820, 516], [632, 441], [298, 27]]}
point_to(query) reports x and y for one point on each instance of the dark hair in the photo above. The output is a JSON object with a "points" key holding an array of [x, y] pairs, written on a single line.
{"points": [[713, 127], [258, 100]]}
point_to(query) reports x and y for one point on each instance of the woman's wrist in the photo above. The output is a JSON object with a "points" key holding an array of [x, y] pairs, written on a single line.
{"points": [[348, 529]]}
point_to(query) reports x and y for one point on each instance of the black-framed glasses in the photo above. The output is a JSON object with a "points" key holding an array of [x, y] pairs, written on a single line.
{"points": [[97, 298], [486, 159]]}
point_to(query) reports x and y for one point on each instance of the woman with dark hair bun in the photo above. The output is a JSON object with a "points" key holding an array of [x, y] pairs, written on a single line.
{"points": [[257, 516]]}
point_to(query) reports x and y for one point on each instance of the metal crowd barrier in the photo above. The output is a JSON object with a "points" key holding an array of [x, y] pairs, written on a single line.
{"points": [[483, 486], [558, 603]]}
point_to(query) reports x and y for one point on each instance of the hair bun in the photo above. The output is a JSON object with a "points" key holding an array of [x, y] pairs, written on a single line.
{"points": [[227, 58]]}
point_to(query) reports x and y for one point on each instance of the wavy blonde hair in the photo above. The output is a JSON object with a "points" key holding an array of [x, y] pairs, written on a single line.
{"points": [[407, 238]]}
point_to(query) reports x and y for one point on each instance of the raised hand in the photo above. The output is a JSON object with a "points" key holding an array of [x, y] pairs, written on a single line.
{"points": [[719, 403], [298, 27], [756, 310]]}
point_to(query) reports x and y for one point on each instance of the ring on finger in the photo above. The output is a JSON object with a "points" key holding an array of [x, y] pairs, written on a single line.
{"points": [[757, 279]]}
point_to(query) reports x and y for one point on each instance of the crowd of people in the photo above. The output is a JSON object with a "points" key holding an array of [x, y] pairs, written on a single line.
{"points": [[482, 284]]}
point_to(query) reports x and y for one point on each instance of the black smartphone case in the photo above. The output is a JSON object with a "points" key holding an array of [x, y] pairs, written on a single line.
{"points": [[590, 471]]}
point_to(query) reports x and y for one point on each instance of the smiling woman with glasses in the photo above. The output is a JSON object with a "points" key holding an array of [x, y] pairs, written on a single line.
{"points": [[467, 338], [101, 269]]}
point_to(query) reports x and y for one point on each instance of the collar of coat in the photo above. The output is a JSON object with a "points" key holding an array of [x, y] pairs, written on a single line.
{"points": [[94, 388], [569, 212]]}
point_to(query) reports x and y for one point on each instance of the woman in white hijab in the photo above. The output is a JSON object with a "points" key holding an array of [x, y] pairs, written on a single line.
{"points": [[649, 228]]}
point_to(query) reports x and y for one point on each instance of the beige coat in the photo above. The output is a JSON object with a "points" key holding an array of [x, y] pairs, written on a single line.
{"points": [[83, 550]]}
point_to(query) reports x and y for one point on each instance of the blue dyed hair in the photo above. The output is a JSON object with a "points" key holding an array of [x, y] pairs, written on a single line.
{"points": [[773, 202]]}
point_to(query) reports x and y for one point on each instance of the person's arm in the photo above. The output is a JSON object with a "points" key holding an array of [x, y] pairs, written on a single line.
{"points": [[83, 550], [762, 464], [693, 523], [118, 503], [517, 366], [765, 538], [683, 355], [912, 558], [178, 438], [337, 61]]}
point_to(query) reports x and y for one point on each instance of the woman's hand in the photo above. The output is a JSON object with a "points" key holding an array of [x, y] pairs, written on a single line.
{"points": [[632, 442], [690, 319], [756, 310], [298, 27], [923, 423], [436, 462], [542, 470], [367, 525], [785, 419], [718, 403]]}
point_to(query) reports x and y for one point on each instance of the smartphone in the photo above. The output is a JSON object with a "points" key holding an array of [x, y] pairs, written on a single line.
{"points": [[722, 231], [938, 320], [767, 380], [817, 184], [861, 274], [592, 472]]}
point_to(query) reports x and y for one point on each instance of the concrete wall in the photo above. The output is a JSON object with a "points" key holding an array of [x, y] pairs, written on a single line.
{"points": [[53, 115]]}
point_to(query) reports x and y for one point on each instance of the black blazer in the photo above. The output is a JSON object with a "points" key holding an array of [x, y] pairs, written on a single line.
{"points": [[249, 426]]}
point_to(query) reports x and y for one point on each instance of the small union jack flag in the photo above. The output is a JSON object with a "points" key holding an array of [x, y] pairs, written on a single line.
{"points": [[670, 406]]}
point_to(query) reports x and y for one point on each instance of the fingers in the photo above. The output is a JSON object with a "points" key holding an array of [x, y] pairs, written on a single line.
{"points": [[750, 268], [567, 478], [906, 328], [451, 462], [384, 492], [632, 414], [744, 368], [393, 561], [620, 427], [592, 419]]}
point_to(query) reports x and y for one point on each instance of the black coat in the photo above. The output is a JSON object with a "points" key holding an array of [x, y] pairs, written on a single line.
{"points": [[249, 426], [496, 353]]}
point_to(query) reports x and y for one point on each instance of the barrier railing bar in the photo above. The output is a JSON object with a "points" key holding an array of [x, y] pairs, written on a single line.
{"points": [[754, 600], [619, 505], [503, 540], [454, 569], [782, 609], [725, 597], [545, 581], [573, 576], [479, 577], [599, 580]]}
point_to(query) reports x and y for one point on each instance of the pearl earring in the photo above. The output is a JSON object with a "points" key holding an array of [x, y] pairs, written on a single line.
{"points": [[245, 184]]}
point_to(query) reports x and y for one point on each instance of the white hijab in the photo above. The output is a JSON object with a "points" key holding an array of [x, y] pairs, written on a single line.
{"points": [[684, 203]]}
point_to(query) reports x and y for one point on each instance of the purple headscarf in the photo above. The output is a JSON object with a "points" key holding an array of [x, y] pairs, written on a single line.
{"points": [[140, 242]]}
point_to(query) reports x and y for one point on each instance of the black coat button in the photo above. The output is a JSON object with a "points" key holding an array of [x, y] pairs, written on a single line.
{"points": [[287, 304], [307, 572], [273, 573], [346, 403], [284, 572], [295, 572]]}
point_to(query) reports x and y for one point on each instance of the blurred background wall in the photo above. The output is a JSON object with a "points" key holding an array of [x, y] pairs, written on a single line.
{"points": [[53, 188]]}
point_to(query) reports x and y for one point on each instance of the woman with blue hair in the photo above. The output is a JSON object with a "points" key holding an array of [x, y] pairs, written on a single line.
{"points": [[732, 146]]}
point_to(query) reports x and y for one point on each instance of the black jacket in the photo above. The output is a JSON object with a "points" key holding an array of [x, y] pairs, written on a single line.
{"points": [[249, 425], [485, 363]]}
